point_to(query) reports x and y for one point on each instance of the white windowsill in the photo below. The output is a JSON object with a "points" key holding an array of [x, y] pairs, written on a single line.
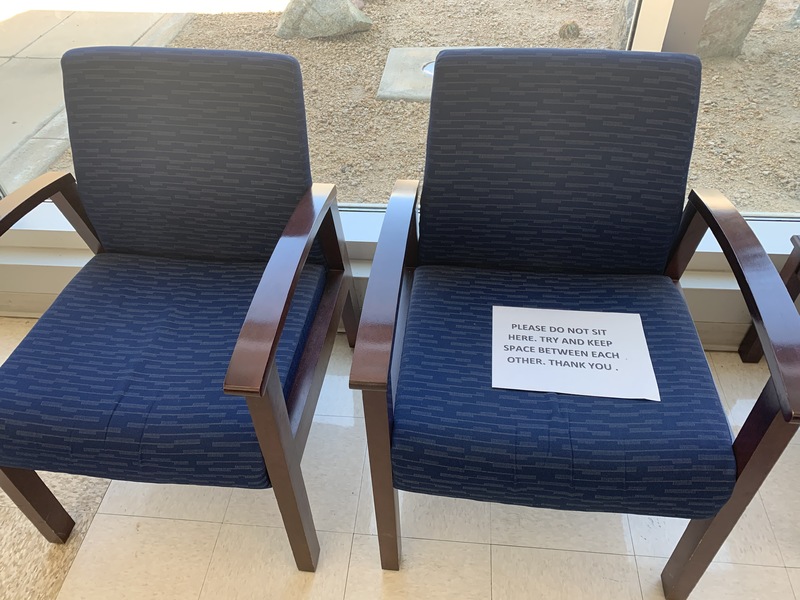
{"points": [[42, 253]]}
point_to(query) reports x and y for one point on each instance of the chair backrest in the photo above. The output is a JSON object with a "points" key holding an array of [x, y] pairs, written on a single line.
{"points": [[187, 153], [557, 160]]}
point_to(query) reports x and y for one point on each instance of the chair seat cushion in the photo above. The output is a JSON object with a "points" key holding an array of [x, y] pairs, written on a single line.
{"points": [[122, 376], [454, 435]]}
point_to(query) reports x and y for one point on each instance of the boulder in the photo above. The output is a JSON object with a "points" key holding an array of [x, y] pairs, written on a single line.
{"points": [[727, 24], [621, 25], [321, 18]]}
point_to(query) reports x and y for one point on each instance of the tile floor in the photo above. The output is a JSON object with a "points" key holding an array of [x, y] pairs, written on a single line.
{"points": [[149, 541]]}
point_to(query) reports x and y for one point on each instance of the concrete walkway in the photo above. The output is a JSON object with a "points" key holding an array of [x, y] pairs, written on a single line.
{"points": [[33, 126]]}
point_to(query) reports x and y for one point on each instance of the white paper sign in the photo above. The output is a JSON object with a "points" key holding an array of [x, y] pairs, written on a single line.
{"points": [[571, 352]]}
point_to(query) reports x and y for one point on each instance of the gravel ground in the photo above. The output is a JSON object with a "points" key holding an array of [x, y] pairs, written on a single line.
{"points": [[748, 133]]}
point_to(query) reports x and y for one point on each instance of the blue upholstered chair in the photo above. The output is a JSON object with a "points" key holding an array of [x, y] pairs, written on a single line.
{"points": [[194, 190], [555, 179]]}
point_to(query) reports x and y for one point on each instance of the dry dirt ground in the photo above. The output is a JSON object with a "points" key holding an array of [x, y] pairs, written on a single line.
{"points": [[748, 137]]}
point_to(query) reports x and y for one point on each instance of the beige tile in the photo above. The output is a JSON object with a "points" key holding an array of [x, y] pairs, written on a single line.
{"points": [[558, 575], [560, 530], [794, 578], [134, 557], [430, 569], [256, 562], [752, 542], [332, 465], [781, 496], [91, 29], [722, 581], [429, 517], [712, 368], [741, 384], [22, 29], [12, 332], [166, 501], [38, 96], [32, 567], [336, 398]]}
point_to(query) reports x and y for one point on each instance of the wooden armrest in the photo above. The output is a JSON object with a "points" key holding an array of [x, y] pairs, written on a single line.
{"points": [[255, 350], [772, 310], [61, 187], [396, 251]]}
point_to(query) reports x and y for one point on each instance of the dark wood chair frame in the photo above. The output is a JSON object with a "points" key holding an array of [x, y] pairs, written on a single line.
{"points": [[758, 446], [281, 424], [750, 349]]}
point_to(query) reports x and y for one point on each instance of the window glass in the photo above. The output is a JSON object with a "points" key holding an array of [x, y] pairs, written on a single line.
{"points": [[360, 142], [748, 132], [748, 135]]}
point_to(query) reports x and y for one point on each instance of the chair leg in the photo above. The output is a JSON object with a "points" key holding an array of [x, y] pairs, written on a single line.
{"points": [[37, 502], [283, 465], [290, 492], [387, 515], [351, 316], [750, 350], [762, 439]]}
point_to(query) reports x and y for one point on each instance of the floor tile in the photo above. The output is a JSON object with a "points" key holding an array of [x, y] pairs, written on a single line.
{"points": [[752, 542], [256, 562], [712, 368], [332, 465], [794, 578], [519, 573], [336, 397], [560, 530], [91, 29], [741, 384], [32, 567], [781, 496], [12, 332], [429, 517], [20, 30], [166, 501], [722, 581], [134, 557], [39, 96], [430, 569]]}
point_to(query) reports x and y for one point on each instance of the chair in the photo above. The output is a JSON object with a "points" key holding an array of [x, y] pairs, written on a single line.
{"points": [[555, 179], [750, 348], [194, 191]]}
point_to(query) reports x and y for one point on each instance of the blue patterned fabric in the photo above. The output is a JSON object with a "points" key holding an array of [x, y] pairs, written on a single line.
{"points": [[456, 436], [187, 153], [528, 148], [122, 376]]}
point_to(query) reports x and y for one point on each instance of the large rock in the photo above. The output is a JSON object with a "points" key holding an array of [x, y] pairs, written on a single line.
{"points": [[321, 18], [621, 25], [795, 20], [727, 24]]}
